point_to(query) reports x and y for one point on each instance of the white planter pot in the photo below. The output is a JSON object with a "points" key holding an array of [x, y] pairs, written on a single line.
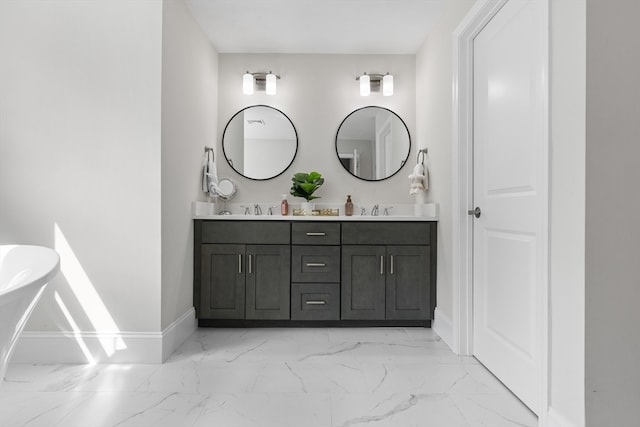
{"points": [[307, 207]]}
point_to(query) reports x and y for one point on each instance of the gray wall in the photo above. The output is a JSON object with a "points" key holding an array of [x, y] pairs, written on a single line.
{"points": [[105, 108], [613, 204], [567, 216], [434, 109], [317, 92], [189, 110], [80, 156]]}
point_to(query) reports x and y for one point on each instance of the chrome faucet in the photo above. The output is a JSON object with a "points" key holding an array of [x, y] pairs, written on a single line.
{"points": [[386, 210], [374, 210], [363, 212], [271, 208], [257, 210], [246, 209]]}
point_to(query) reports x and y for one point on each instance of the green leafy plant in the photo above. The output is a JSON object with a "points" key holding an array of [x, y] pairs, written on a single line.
{"points": [[305, 184]]}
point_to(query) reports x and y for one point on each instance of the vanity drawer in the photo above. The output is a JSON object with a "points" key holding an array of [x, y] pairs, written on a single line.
{"points": [[315, 233], [246, 232], [385, 233], [315, 263], [315, 301]]}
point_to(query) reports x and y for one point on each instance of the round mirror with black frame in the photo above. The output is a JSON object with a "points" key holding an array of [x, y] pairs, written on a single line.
{"points": [[373, 143], [260, 142]]}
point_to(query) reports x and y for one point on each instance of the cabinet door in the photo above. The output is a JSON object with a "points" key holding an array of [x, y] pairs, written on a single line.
{"points": [[268, 282], [363, 282], [408, 278], [222, 282]]}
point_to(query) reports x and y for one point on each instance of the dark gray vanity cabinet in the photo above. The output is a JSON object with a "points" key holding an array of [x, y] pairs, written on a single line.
{"points": [[363, 282], [388, 272], [222, 279], [237, 280], [267, 282], [407, 282], [315, 271], [280, 272]]}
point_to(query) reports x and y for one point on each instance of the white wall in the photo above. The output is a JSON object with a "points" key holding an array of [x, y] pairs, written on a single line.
{"points": [[612, 226], [567, 217], [434, 129], [80, 151], [317, 92], [189, 123]]}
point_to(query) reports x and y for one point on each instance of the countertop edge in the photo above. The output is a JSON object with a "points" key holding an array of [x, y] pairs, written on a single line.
{"points": [[341, 218]]}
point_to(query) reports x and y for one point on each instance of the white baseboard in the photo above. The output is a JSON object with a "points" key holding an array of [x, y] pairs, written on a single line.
{"points": [[556, 419], [93, 347], [177, 332], [443, 326]]}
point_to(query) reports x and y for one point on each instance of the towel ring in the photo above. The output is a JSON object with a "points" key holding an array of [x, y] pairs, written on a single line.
{"points": [[424, 152]]}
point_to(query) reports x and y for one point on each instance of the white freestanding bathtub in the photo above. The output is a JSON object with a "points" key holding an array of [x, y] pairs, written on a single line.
{"points": [[24, 273]]}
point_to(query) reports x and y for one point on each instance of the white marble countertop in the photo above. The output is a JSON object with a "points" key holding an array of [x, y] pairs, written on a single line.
{"points": [[398, 212]]}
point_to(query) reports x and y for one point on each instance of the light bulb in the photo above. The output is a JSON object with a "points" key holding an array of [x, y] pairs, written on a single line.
{"points": [[247, 83], [365, 85], [387, 85], [271, 83]]}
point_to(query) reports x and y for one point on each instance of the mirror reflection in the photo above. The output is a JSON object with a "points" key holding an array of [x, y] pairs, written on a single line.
{"points": [[260, 142], [373, 143]]}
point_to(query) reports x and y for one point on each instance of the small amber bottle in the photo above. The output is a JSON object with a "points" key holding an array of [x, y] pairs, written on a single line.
{"points": [[284, 206], [348, 207]]}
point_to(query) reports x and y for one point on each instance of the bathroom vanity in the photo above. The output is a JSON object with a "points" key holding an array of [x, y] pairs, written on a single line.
{"points": [[314, 271]]}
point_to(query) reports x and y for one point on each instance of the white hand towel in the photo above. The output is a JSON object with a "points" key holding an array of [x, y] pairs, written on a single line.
{"points": [[417, 180], [209, 175], [425, 180], [205, 184], [212, 176]]}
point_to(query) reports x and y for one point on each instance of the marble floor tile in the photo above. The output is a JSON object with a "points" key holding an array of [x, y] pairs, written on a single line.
{"points": [[280, 377]]}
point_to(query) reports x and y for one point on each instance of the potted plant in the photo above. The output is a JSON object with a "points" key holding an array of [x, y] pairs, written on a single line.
{"points": [[304, 185]]}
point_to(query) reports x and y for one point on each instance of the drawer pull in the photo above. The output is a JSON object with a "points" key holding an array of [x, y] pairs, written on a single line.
{"points": [[239, 263], [391, 264], [382, 264], [250, 260], [312, 302], [316, 264], [316, 233]]}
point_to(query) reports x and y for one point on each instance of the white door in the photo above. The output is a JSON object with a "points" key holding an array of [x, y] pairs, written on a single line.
{"points": [[510, 188]]}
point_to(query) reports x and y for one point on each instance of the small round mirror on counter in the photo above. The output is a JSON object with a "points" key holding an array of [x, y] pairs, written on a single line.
{"points": [[260, 142], [226, 191], [373, 143]]}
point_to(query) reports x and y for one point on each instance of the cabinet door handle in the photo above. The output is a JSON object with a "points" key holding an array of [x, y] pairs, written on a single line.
{"points": [[312, 302], [313, 233], [391, 257], [250, 262], [239, 263], [316, 264], [381, 264]]}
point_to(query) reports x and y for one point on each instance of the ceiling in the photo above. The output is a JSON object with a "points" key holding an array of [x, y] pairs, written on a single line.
{"points": [[317, 26]]}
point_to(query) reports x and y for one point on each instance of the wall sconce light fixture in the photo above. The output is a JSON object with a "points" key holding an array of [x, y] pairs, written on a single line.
{"points": [[365, 85], [369, 82], [259, 81]]}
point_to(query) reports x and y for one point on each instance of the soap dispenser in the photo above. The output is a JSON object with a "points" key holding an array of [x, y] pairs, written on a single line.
{"points": [[284, 206], [348, 207]]}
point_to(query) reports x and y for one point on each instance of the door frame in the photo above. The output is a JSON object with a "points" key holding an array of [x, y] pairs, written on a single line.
{"points": [[462, 190]]}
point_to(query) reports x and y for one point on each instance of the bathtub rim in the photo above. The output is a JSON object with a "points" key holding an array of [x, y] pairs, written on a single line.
{"points": [[47, 267]]}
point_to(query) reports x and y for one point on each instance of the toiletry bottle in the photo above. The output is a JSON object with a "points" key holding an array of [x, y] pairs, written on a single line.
{"points": [[348, 207], [284, 206]]}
